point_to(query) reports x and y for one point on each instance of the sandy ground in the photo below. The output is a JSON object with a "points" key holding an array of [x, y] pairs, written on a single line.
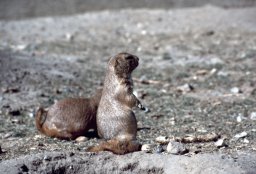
{"points": [[211, 49]]}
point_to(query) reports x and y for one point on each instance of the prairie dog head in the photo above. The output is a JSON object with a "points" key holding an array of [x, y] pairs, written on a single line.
{"points": [[123, 64]]}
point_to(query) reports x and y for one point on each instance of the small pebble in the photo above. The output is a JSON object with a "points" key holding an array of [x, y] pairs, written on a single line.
{"points": [[213, 71], [235, 90], [246, 141], [146, 148], [36, 137], [176, 148], [8, 135], [241, 135], [223, 73], [31, 115], [69, 36], [47, 158], [239, 119], [81, 139], [159, 149], [17, 121], [144, 32], [185, 88], [202, 72], [253, 116], [220, 143], [19, 47], [162, 140]]}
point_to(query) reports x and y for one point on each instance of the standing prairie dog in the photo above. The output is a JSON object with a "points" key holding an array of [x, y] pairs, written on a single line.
{"points": [[115, 119], [69, 118]]}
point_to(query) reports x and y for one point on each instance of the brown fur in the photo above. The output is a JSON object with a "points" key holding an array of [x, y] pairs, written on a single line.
{"points": [[116, 146], [115, 119], [68, 118]]}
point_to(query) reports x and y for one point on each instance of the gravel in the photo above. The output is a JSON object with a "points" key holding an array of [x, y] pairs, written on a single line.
{"points": [[212, 49]]}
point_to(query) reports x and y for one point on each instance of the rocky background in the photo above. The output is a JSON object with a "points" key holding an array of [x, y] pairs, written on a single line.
{"points": [[197, 75]]}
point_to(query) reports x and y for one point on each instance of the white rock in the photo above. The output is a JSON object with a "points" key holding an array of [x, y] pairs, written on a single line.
{"points": [[185, 88], [219, 143], [31, 115], [176, 148], [246, 141], [241, 135], [213, 71], [146, 148], [239, 119], [253, 116], [162, 140], [19, 47], [223, 73], [81, 139], [235, 90]]}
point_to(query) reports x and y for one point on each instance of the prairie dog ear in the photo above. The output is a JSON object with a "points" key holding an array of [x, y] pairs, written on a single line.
{"points": [[111, 61]]}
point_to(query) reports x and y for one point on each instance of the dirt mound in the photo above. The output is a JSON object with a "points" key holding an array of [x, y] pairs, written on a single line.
{"points": [[64, 162]]}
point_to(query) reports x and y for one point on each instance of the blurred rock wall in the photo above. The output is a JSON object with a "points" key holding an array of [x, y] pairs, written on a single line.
{"points": [[19, 9]]}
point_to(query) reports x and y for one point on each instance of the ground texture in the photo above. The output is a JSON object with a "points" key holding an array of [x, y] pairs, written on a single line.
{"points": [[197, 75]]}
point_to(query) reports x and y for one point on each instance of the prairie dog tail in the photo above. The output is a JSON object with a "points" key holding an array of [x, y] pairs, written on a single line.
{"points": [[40, 118], [116, 146]]}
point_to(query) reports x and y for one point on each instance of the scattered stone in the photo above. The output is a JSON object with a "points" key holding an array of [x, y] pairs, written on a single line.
{"points": [[31, 114], [253, 116], [19, 47], [17, 121], [176, 148], [81, 139], [246, 141], [201, 130], [241, 135], [146, 148], [47, 158], [8, 135], [223, 73], [239, 118], [144, 32], [220, 143], [159, 149], [162, 140], [36, 137], [200, 138], [172, 121], [235, 90], [185, 88], [144, 80], [69, 36], [202, 72], [213, 71]]}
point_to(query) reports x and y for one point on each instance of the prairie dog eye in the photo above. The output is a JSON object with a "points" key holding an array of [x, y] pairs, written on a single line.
{"points": [[129, 58]]}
